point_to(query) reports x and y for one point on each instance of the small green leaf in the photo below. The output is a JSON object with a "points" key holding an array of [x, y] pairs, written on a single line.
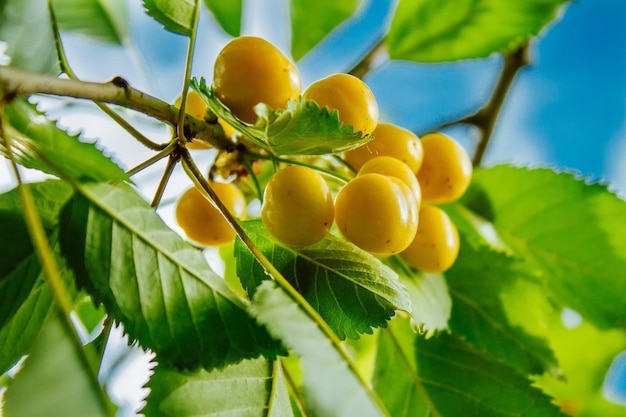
{"points": [[175, 15], [38, 143], [56, 380], [568, 232], [102, 20], [300, 129], [19, 265], [450, 30], [312, 21], [351, 289], [254, 387], [26, 27], [158, 286], [330, 386], [451, 378], [227, 13]]}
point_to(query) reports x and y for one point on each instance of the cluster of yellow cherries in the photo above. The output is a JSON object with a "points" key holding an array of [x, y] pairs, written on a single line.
{"points": [[388, 207]]}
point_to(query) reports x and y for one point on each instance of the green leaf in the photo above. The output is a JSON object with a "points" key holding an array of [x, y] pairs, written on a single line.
{"points": [[351, 289], [581, 389], [156, 284], [312, 21], [26, 27], [251, 388], [102, 20], [330, 386], [429, 295], [300, 129], [477, 281], [38, 143], [19, 265], [175, 15], [450, 30], [19, 333], [451, 378], [395, 379], [227, 13], [569, 233], [56, 380]]}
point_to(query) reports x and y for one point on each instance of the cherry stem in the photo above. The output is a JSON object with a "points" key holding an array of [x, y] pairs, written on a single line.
{"points": [[167, 173], [278, 159]]}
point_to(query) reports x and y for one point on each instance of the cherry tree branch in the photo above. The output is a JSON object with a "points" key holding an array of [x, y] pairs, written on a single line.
{"points": [[368, 62], [485, 119], [18, 82]]}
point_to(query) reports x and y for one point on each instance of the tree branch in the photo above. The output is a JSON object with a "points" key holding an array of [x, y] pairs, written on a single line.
{"points": [[485, 118], [18, 82], [367, 62]]}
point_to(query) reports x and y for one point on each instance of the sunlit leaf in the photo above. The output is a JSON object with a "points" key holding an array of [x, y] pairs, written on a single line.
{"points": [[300, 129], [352, 290], [331, 388], [311, 21], [26, 27], [395, 379], [38, 143], [477, 281], [581, 390], [568, 232], [175, 15], [227, 13], [254, 387], [102, 20], [19, 265], [56, 380], [429, 295], [446, 30], [157, 285], [451, 378]]}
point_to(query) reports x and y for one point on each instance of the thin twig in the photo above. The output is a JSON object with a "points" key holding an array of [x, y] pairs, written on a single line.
{"points": [[361, 69], [153, 159], [485, 118], [67, 69], [18, 82], [167, 173], [295, 392], [189, 60]]}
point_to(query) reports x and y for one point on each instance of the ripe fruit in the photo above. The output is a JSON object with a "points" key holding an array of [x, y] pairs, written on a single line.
{"points": [[446, 171], [297, 206], [436, 243], [196, 107], [250, 70], [202, 222], [350, 96], [389, 140], [392, 167], [377, 213]]}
